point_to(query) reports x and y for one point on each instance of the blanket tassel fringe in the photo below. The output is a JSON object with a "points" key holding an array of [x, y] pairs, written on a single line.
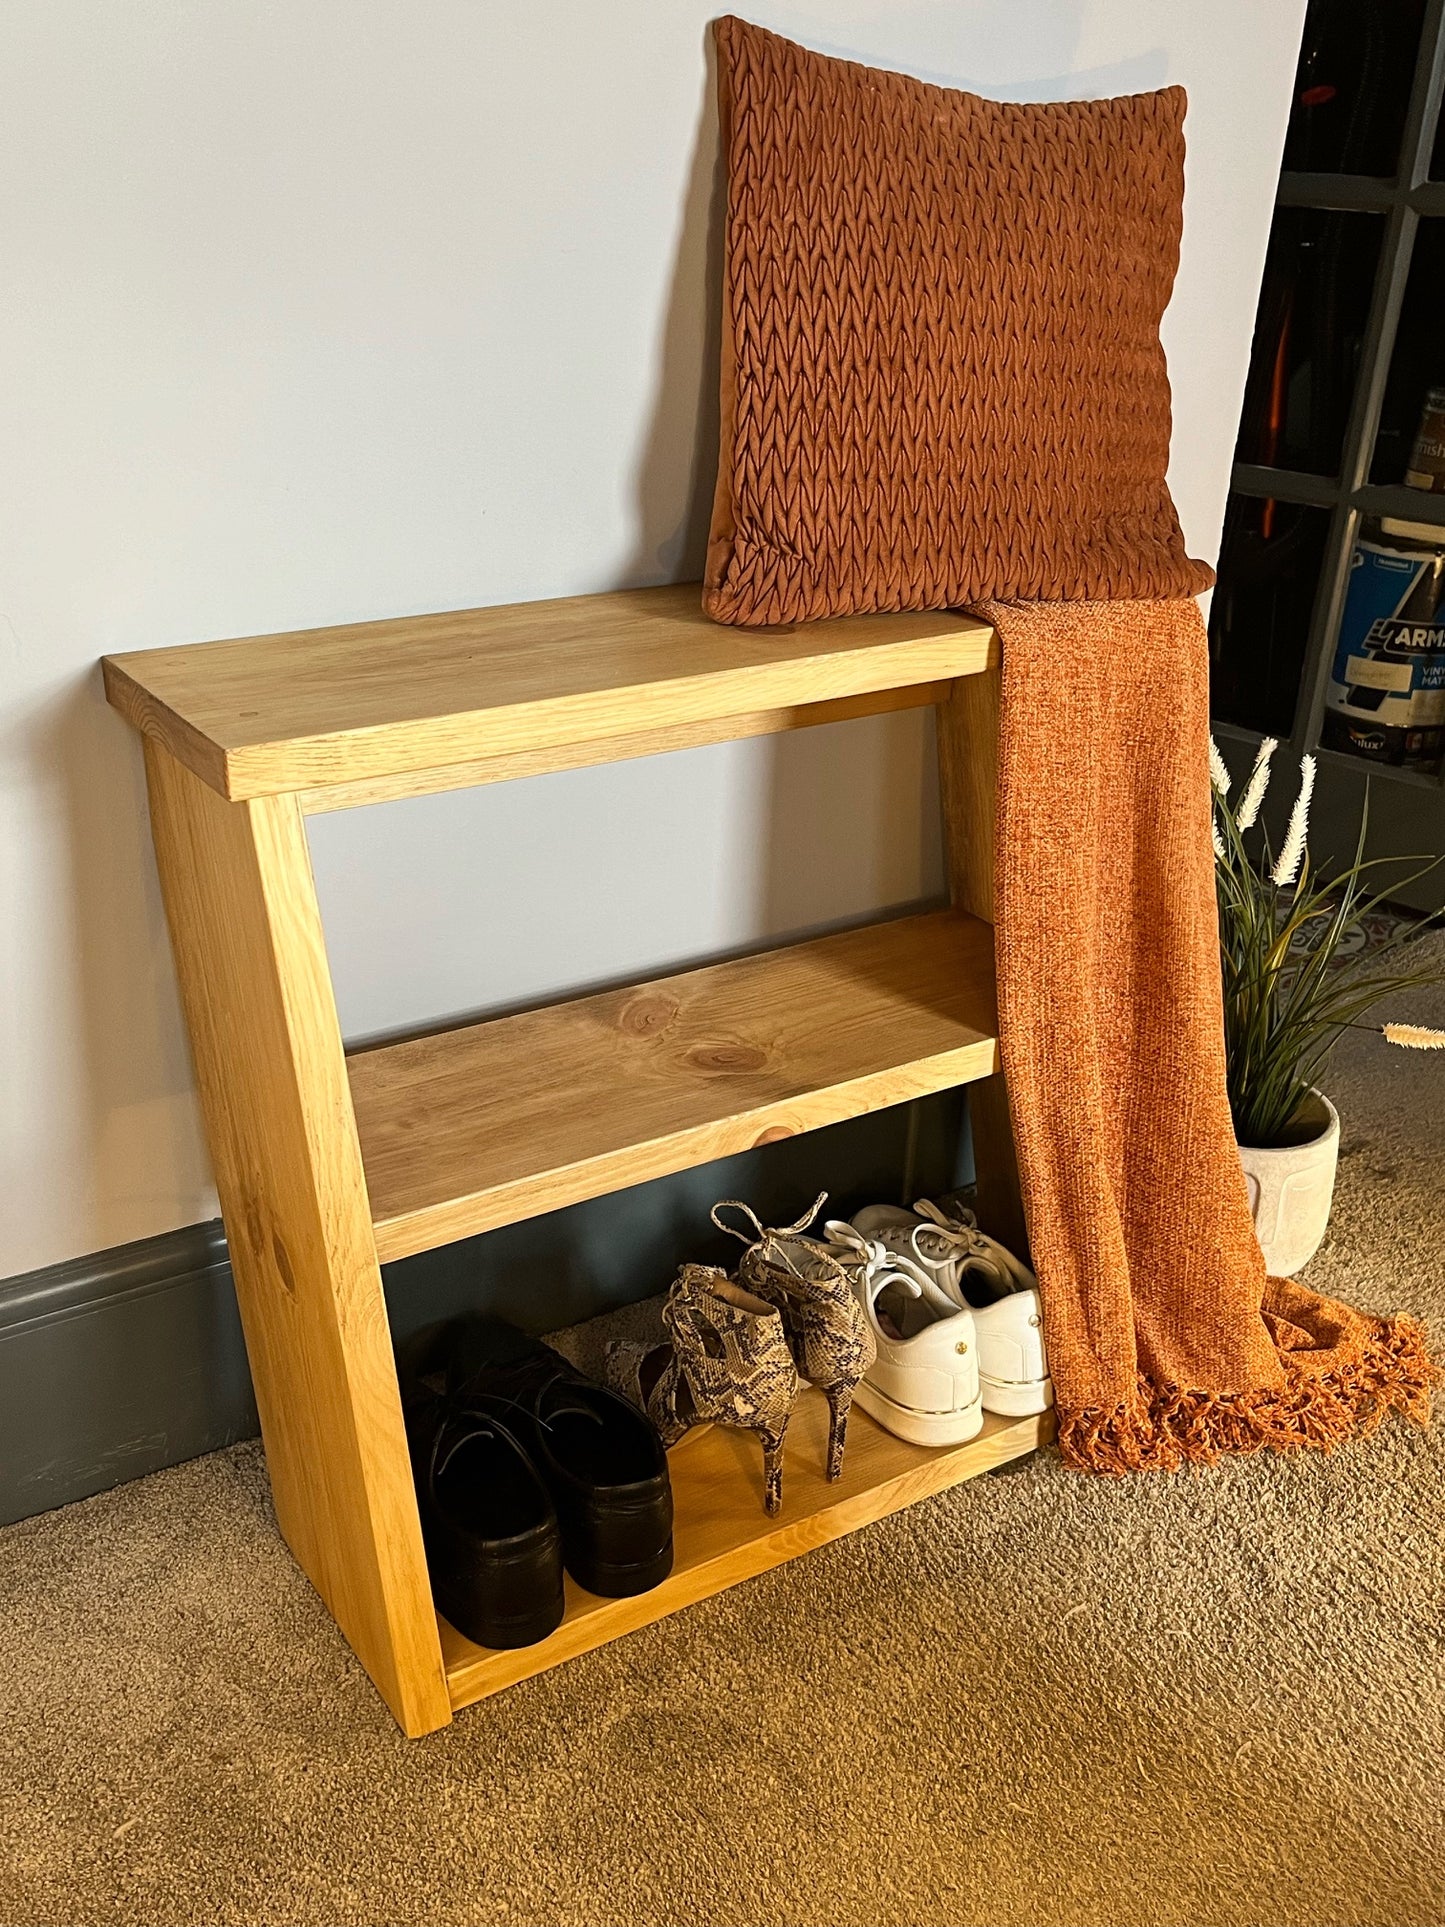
{"points": [[1162, 1427]]}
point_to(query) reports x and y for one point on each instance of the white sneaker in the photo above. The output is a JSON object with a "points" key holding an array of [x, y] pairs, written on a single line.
{"points": [[975, 1271], [923, 1384]]}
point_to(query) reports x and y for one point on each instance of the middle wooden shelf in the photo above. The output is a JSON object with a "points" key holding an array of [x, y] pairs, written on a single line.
{"points": [[467, 1129]]}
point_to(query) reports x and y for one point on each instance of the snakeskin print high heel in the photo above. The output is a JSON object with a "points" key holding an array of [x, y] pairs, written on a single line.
{"points": [[727, 1362], [831, 1343]]}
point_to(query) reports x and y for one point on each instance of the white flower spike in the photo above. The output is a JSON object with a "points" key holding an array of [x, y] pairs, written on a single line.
{"points": [[1290, 857], [1258, 783], [1414, 1036], [1218, 771]]}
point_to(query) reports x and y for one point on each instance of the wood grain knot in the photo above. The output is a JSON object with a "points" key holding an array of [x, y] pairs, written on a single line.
{"points": [[725, 1059], [646, 1015], [282, 1259]]}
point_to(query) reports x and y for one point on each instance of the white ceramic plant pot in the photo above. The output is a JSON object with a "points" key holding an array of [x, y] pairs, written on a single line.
{"points": [[1291, 1188]]}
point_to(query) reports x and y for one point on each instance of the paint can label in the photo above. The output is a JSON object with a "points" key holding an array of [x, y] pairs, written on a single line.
{"points": [[1386, 697]]}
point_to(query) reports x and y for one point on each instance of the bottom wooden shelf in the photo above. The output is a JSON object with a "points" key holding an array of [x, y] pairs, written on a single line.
{"points": [[722, 1534]]}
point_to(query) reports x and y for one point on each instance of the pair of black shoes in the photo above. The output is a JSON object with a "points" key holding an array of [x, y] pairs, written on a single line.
{"points": [[524, 1466]]}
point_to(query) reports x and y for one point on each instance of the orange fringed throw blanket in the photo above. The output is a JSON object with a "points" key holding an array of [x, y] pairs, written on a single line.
{"points": [[942, 379], [1166, 1339]]}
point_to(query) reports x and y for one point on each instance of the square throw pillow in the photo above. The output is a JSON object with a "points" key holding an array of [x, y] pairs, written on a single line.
{"points": [[942, 378]]}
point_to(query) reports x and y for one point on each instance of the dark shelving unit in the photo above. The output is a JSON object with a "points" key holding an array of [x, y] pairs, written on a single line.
{"points": [[1356, 267]]}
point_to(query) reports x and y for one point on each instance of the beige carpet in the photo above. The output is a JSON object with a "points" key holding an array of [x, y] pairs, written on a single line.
{"points": [[1216, 1700]]}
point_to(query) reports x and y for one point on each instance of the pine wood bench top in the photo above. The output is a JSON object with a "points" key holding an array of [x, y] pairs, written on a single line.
{"points": [[358, 710]]}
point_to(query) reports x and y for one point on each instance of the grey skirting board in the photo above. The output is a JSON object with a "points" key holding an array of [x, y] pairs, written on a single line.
{"points": [[117, 1364]]}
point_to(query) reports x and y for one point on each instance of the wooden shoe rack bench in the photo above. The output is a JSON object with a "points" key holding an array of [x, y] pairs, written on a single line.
{"points": [[330, 1164]]}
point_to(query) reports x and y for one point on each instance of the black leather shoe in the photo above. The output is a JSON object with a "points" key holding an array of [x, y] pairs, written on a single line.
{"points": [[493, 1546], [600, 1457]]}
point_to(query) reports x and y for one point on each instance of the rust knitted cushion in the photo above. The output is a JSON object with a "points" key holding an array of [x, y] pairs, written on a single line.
{"points": [[941, 370]]}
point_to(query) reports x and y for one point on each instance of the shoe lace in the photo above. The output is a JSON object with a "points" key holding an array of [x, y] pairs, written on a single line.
{"points": [[871, 1263], [477, 1413], [463, 1421], [772, 1239], [947, 1238]]}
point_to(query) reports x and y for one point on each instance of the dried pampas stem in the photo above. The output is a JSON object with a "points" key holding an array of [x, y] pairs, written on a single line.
{"points": [[1257, 785], [1218, 770], [1414, 1036], [1290, 857]]}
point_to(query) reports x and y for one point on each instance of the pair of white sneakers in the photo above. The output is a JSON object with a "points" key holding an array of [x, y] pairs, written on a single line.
{"points": [[955, 1317]]}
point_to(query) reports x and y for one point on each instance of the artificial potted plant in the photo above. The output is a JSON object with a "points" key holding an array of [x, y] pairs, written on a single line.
{"points": [[1289, 995]]}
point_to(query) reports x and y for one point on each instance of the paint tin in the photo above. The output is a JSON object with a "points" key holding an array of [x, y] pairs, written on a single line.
{"points": [[1386, 699]]}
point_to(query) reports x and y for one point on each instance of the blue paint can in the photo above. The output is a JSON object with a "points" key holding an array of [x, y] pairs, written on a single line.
{"points": [[1386, 699]]}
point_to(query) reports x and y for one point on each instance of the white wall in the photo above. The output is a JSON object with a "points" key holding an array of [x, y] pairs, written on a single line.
{"points": [[333, 309]]}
